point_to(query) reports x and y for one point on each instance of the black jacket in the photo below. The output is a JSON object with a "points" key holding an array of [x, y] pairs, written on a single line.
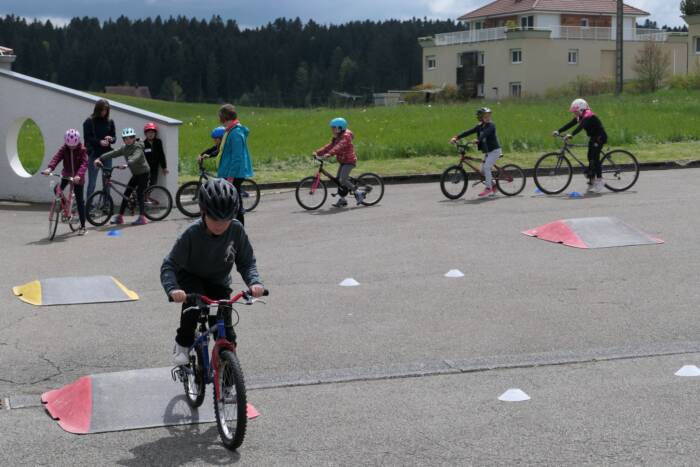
{"points": [[154, 153], [486, 134], [94, 131], [592, 125]]}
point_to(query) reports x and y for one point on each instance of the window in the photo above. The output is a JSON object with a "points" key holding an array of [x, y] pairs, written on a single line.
{"points": [[478, 25], [573, 56], [482, 59], [516, 89], [516, 56], [527, 22], [584, 22], [697, 45], [480, 89], [431, 62]]}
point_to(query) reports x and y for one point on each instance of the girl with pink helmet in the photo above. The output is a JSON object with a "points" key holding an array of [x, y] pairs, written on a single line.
{"points": [[74, 157]]}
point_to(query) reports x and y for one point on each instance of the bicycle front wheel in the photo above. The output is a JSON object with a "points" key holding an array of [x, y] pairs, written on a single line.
{"points": [[194, 380], [230, 404], [553, 173], [372, 186], [99, 208], [250, 195], [453, 182], [157, 203], [511, 180], [310, 193], [74, 221], [187, 199], [620, 170], [54, 214]]}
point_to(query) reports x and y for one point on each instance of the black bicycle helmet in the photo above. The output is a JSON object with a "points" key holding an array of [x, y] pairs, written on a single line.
{"points": [[482, 111], [218, 199]]}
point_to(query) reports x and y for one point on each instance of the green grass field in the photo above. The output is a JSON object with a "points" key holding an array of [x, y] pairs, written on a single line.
{"points": [[413, 138]]}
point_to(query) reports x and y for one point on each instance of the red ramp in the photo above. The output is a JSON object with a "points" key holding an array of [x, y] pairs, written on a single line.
{"points": [[126, 400], [592, 232]]}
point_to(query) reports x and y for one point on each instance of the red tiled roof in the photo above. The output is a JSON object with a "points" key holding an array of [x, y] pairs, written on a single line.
{"points": [[504, 7]]}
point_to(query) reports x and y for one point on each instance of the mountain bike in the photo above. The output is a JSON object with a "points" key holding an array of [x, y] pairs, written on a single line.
{"points": [[222, 369], [100, 206], [553, 171], [509, 179], [63, 208], [187, 196], [311, 192]]}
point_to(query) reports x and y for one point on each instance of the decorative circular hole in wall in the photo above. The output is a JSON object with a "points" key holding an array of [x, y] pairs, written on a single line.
{"points": [[30, 147]]}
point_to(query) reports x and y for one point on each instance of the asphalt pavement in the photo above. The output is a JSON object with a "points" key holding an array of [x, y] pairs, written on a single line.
{"points": [[406, 368]]}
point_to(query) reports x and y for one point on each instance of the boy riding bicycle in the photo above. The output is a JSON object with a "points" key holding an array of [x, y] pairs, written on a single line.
{"points": [[597, 138], [342, 149], [487, 142], [202, 258]]}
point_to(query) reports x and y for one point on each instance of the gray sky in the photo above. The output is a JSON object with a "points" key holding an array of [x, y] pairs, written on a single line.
{"points": [[257, 12]]}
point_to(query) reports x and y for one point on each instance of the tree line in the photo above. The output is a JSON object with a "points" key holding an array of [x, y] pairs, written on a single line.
{"points": [[284, 63]]}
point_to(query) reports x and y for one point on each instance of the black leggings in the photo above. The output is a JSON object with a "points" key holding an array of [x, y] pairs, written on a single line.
{"points": [[595, 169], [237, 182], [80, 201], [153, 176], [140, 182], [188, 320]]}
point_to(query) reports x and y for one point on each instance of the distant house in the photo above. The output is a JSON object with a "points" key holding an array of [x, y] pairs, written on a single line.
{"points": [[133, 91], [518, 47]]}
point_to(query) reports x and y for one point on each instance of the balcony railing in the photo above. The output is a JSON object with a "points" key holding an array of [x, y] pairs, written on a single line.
{"points": [[557, 32]]}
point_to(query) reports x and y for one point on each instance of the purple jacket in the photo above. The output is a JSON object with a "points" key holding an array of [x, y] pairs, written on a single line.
{"points": [[75, 162]]}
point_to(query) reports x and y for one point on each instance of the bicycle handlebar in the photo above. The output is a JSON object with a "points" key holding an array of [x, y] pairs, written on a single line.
{"points": [[199, 299], [53, 174]]}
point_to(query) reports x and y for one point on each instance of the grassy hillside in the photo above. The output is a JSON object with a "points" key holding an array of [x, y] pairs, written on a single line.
{"points": [[413, 138]]}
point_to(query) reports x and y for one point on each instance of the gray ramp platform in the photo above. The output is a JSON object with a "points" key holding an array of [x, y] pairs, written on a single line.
{"points": [[74, 290], [592, 232], [127, 400]]}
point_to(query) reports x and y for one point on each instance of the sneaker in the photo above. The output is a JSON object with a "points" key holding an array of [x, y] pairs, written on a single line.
{"points": [[140, 221], [341, 203], [487, 192], [117, 219], [598, 185], [82, 231], [359, 197], [181, 355]]}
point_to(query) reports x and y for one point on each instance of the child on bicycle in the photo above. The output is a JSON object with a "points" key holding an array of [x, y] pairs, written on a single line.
{"points": [[597, 138], [202, 258], [74, 157], [155, 155], [216, 135], [132, 150], [487, 142], [341, 147]]}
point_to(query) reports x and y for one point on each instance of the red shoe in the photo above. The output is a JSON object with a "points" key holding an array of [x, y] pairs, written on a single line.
{"points": [[487, 192]]}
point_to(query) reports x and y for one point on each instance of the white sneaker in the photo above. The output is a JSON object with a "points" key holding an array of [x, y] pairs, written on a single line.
{"points": [[181, 355], [598, 185]]}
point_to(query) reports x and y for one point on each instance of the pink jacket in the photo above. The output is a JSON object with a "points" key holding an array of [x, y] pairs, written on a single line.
{"points": [[75, 162], [341, 147]]}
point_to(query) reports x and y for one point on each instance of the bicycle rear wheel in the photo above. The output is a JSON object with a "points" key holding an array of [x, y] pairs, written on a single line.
{"points": [[620, 170], [311, 195], [187, 199], [453, 182], [553, 173], [157, 203], [511, 180], [194, 381], [250, 195], [99, 208], [230, 407], [372, 186], [54, 214]]}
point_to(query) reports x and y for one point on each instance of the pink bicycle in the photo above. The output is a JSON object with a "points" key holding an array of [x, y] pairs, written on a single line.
{"points": [[63, 207]]}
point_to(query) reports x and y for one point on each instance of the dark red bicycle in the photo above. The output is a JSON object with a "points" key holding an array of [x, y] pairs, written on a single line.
{"points": [[63, 208]]}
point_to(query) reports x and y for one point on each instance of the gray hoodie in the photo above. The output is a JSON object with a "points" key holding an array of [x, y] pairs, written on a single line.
{"points": [[135, 157]]}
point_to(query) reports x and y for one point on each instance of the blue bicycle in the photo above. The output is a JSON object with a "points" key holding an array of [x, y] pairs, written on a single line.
{"points": [[223, 369]]}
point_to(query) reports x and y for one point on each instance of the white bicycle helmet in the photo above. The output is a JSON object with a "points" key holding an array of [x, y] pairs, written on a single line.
{"points": [[126, 132], [579, 106]]}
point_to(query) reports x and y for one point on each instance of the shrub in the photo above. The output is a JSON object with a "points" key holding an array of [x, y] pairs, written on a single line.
{"points": [[582, 86], [690, 7]]}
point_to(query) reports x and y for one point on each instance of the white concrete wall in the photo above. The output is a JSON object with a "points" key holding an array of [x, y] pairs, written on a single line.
{"points": [[55, 109]]}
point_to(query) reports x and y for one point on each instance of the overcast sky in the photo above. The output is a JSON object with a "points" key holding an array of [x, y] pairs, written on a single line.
{"points": [[252, 13]]}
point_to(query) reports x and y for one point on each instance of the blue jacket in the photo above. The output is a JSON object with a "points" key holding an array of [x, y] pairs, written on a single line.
{"points": [[235, 159]]}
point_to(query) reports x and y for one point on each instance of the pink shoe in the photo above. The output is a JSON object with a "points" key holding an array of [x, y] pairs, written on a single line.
{"points": [[140, 221], [487, 192], [116, 220]]}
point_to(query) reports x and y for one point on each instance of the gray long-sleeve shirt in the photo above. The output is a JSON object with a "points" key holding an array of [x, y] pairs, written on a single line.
{"points": [[209, 257]]}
